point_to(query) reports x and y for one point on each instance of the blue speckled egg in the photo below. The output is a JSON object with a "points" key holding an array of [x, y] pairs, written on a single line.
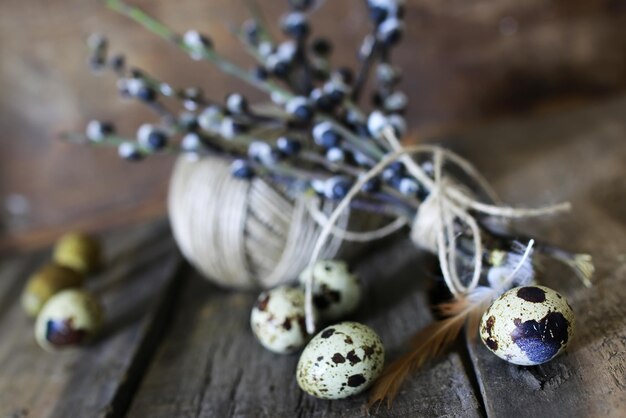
{"points": [[528, 325]]}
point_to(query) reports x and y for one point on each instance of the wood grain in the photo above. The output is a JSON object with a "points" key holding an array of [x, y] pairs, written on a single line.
{"points": [[579, 158], [94, 381], [210, 365], [175, 345]]}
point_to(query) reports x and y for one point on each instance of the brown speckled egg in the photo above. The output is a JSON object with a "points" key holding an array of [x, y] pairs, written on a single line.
{"points": [[45, 283], [69, 318], [528, 325], [336, 291], [277, 319], [341, 361]]}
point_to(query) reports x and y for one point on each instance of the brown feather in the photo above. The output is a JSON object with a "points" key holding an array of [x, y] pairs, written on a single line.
{"points": [[436, 337], [427, 344]]}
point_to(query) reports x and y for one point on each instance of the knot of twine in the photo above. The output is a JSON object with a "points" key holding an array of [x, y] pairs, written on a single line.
{"points": [[432, 228]]}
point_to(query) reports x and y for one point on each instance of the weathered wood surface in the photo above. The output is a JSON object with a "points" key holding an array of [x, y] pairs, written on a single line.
{"points": [[578, 157], [177, 346], [97, 380], [210, 365]]}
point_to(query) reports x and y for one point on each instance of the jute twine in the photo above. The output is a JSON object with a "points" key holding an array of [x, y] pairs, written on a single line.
{"points": [[249, 235], [433, 227]]}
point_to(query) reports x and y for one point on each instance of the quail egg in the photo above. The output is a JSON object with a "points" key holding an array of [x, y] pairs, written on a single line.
{"points": [[277, 319], [528, 325], [69, 318], [341, 361], [336, 291], [47, 281], [78, 251]]}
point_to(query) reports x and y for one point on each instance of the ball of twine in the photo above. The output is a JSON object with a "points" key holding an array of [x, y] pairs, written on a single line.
{"points": [[245, 234]]}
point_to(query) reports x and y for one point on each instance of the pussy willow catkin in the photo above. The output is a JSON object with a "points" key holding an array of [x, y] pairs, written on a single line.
{"points": [[260, 165]]}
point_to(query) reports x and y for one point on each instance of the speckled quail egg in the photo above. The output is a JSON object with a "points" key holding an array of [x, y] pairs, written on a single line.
{"points": [[342, 360], [70, 318], [528, 325], [277, 319], [47, 281], [79, 251], [336, 291]]}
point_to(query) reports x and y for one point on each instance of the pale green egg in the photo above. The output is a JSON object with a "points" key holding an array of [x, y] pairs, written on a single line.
{"points": [[68, 319]]}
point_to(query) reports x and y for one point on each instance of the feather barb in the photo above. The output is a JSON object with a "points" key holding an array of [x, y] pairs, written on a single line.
{"points": [[427, 344]]}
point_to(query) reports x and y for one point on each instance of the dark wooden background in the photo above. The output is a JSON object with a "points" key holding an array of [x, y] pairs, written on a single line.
{"points": [[466, 63]]}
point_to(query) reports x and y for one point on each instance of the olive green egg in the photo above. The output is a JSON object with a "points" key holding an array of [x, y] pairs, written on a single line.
{"points": [[45, 283], [79, 251], [70, 318]]}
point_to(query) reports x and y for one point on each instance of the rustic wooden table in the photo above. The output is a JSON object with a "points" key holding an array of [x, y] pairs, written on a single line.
{"points": [[176, 346]]}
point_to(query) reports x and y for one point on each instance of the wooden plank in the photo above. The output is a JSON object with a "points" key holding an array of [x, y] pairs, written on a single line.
{"points": [[209, 364], [97, 380], [142, 211], [12, 268], [580, 157]]}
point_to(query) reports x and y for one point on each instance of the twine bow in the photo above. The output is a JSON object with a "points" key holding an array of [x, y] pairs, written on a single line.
{"points": [[433, 226]]}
